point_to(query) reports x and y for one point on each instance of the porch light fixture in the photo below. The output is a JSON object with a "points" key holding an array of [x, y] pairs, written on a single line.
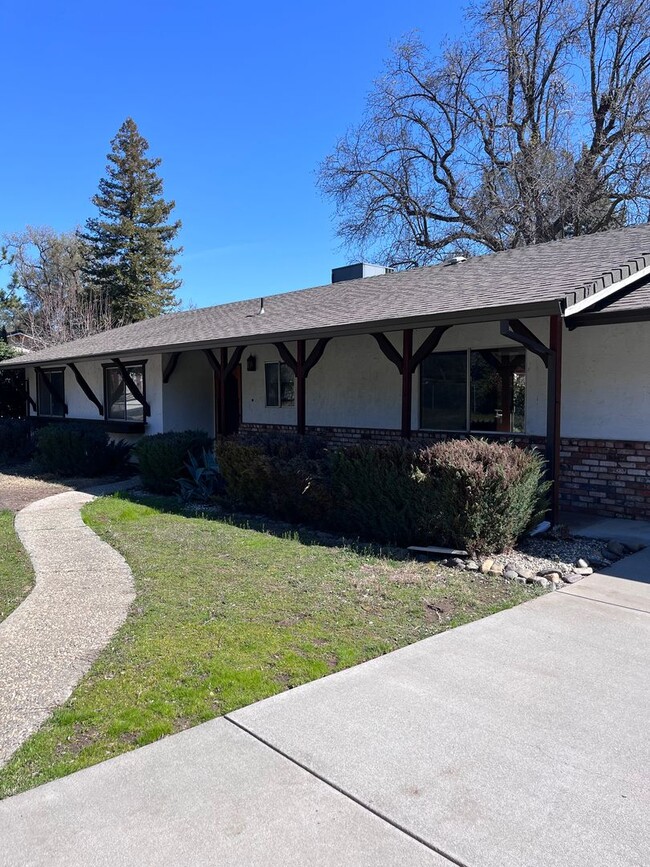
{"points": [[251, 363]]}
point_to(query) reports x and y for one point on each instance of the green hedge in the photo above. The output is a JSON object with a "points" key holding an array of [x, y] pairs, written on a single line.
{"points": [[281, 475], [15, 441], [472, 493], [483, 495], [162, 457], [75, 450]]}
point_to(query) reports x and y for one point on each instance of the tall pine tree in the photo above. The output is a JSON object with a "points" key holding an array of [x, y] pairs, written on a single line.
{"points": [[129, 243]]}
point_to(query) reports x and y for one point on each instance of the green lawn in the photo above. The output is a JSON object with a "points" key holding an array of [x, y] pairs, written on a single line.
{"points": [[227, 615], [16, 575]]}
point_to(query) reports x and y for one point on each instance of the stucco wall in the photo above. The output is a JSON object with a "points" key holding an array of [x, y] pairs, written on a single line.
{"points": [[188, 397], [80, 407], [606, 382], [355, 385]]}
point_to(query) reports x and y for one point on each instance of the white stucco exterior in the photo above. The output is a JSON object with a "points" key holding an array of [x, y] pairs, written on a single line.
{"points": [[605, 383]]}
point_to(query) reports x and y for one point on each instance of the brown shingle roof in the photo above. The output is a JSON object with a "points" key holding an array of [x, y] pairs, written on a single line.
{"points": [[533, 280]]}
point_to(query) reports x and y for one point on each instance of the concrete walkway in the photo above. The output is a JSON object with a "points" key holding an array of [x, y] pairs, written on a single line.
{"points": [[520, 739], [82, 594]]}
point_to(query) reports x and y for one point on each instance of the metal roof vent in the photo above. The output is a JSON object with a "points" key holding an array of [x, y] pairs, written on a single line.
{"points": [[454, 260]]}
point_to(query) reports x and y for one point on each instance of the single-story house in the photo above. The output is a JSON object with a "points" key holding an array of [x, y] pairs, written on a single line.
{"points": [[546, 345]]}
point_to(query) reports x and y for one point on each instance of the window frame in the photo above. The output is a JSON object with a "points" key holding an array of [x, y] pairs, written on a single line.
{"points": [[129, 365], [39, 407], [468, 395], [279, 405]]}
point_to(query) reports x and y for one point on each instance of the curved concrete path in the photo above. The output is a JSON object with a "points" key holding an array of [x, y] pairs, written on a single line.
{"points": [[82, 594]]}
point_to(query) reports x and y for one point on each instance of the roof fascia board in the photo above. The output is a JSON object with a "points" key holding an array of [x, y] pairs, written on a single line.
{"points": [[594, 299], [613, 317], [530, 310]]}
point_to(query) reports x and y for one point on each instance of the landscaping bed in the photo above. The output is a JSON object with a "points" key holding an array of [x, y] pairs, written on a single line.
{"points": [[226, 615]]}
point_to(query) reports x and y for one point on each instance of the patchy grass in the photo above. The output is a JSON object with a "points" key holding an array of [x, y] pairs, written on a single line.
{"points": [[227, 615], [16, 575]]}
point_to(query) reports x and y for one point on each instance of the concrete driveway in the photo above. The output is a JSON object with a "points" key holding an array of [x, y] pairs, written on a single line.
{"points": [[516, 740]]}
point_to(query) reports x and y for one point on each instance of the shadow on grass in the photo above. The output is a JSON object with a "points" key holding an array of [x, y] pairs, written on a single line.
{"points": [[262, 524]]}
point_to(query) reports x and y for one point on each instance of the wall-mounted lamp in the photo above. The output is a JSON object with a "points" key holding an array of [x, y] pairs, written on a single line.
{"points": [[251, 363]]}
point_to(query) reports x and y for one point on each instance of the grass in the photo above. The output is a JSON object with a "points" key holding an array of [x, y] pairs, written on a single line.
{"points": [[16, 575], [226, 615]]}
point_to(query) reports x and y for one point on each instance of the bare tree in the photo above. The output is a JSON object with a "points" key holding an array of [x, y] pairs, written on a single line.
{"points": [[534, 126], [56, 303]]}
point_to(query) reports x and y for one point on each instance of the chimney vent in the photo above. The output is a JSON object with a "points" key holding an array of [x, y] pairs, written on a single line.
{"points": [[358, 270]]}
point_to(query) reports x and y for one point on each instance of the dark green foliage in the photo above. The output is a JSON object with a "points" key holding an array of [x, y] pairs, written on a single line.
{"points": [[483, 494], [470, 494], [162, 457], [15, 441], [130, 242], [78, 450], [281, 475], [377, 494]]}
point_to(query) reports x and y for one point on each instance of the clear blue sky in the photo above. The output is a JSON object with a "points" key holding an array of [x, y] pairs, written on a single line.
{"points": [[241, 102]]}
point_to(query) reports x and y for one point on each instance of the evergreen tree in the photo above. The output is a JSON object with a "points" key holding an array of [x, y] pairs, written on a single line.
{"points": [[129, 244]]}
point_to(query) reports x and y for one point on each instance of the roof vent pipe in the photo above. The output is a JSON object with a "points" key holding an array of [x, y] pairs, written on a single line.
{"points": [[261, 306], [454, 260]]}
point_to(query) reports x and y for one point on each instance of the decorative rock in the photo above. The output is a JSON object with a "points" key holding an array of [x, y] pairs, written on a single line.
{"points": [[456, 561], [519, 579], [572, 578], [555, 578], [548, 572], [512, 575], [540, 581], [587, 571], [617, 548], [510, 567], [472, 565], [582, 564], [486, 565], [497, 569], [526, 574]]}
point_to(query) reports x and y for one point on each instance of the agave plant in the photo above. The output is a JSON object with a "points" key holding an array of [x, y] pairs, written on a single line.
{"points": [[204, 478]]}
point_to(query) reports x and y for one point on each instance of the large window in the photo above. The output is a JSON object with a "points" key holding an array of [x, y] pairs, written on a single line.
{"points": [[474, 390], [120, 404], [280, 384], [49, 403]]}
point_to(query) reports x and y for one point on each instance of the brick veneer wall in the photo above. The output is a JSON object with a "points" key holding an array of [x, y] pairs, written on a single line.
{"points": [[604, 477]]}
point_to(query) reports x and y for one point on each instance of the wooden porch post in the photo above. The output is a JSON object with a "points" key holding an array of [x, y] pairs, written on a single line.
{"points": [[407, 381], [223, 363], [300, 387], [553, 413]]}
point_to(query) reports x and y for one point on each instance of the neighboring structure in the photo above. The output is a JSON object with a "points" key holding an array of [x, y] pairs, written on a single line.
{"points": [[504, 345]]}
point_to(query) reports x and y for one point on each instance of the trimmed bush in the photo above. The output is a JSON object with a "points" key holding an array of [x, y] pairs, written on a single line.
{"points": [[15, 441], [377, 493], [162, 457], [281, 475], [483, 495], [75, 450]]}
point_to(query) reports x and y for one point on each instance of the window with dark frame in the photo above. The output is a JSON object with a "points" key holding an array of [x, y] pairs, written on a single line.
{"points": [[48, 404], [279, 384], [119, 403], [474, 391]]}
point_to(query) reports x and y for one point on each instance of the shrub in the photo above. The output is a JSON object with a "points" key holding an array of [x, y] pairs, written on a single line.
{"points": [[281, 475], [15, 441], [483, 495], [204, 481], [377, 493], [69, 450], [162, 457]]}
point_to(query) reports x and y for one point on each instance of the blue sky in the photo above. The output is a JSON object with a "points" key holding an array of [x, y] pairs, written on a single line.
{"points": [[241, 102]]}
